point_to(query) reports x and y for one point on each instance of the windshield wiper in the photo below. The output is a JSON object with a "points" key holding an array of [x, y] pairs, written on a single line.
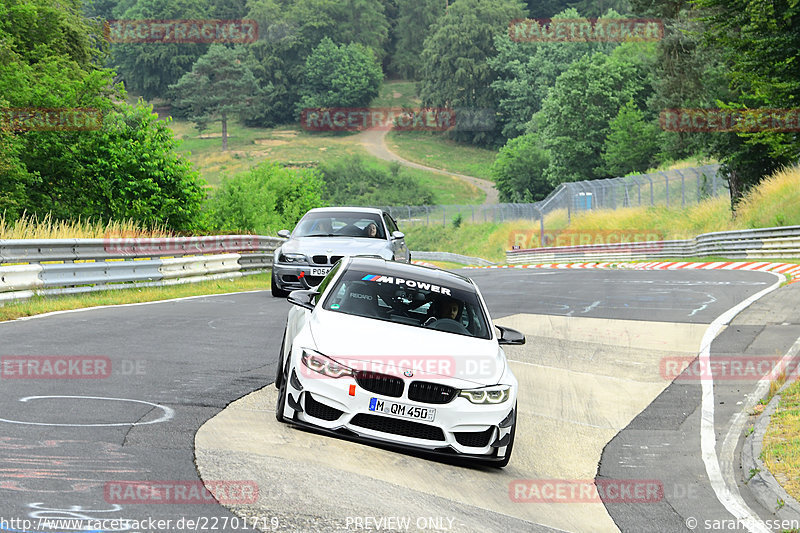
{"points": [[322, 235]]}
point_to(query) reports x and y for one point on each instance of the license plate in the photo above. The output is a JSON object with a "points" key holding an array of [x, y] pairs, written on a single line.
{"points": [[319, 271], [400, 409]]}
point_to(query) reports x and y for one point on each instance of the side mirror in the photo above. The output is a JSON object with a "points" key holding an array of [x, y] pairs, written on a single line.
{"points": [[510, 336], [398, 235], [284, 233], [303, 298]]}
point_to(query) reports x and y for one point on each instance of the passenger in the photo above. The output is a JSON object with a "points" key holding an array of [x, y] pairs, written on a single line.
{"points": [[371, 230]]}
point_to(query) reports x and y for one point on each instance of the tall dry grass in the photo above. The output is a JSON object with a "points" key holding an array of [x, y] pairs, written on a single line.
{"points": [[773, 202], [30, 227]]}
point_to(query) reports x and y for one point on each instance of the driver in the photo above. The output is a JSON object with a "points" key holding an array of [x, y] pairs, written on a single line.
{"points": [[448, 308], [371, 230]]}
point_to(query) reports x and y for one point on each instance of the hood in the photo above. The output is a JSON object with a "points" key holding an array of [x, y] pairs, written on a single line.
{"points": [[369, 344], [337, 245]]}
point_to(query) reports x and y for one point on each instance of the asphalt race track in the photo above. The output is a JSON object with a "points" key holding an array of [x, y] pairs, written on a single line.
{"points": [[592, 373]]}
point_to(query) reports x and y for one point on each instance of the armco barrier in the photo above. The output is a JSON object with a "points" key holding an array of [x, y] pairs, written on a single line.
{"points": [[64, 266], [777, 243]]}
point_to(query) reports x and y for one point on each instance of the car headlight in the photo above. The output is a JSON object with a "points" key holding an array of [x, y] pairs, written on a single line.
{"points": [[493, 395], [295, 259], [325, 365]]}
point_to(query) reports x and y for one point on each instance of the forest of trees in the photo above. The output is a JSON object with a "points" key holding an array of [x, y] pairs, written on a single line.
{"points": [[565, 111]]}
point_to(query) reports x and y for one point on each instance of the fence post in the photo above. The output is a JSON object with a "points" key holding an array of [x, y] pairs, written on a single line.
{"points": [[683, 188], [473, 213], [666, 178], [698, 179], [427, 216]]}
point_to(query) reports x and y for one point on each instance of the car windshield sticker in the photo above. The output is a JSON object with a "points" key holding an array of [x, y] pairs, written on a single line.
{"points": [[334, 306], [408, 283]]}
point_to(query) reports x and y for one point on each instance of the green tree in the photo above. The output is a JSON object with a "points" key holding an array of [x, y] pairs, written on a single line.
{"points": [[519, 170], [526, 71], [300, 25], [575, 117], [220, 85], [631, 144], [415, 18], [759, 42], [456, 71], [130, 170], [340, 76], [264, 200], [148, 69]]}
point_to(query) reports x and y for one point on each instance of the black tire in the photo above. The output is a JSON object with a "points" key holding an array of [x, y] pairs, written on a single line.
{"points": [[277, 291], [510, 447]]}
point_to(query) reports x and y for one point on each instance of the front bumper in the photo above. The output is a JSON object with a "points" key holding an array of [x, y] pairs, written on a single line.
{"points": [[459, 428], [287, 277]]}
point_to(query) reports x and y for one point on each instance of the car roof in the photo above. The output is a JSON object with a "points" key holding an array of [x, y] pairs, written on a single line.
{"points": [[371, 210], [437, 276]]}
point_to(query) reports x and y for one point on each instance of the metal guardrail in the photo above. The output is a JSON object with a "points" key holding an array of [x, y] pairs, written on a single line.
{"points": [[777, 243], [63, 266]]}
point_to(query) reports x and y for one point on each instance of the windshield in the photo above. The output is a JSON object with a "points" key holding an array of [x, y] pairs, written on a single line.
{"points": [[413, 302], [340, 224]]}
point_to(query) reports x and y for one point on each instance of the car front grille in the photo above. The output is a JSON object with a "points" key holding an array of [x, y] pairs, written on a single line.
{"points": [[320, 410], [395, 426], [320, 259], [426, 392], [335, 258], [380, 383], [477, 439]]}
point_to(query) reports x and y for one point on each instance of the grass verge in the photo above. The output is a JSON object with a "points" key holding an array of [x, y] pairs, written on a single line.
{"points": [[781, 451], [42, 304], [434, 150]]}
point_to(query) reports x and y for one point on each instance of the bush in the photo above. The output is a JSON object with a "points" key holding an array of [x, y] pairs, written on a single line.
{"points": [[351, 181], [519, 169], [264, 200]]}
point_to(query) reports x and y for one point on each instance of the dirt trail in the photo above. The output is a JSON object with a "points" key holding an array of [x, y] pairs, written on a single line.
{"points": [[374, 141]]}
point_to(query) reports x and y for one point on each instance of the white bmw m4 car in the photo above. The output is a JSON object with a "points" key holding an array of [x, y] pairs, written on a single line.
{"points": [[400, 354]]}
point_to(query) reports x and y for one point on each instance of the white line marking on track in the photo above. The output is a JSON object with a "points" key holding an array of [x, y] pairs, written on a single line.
{"points": [[728, 496], [168, 412]]}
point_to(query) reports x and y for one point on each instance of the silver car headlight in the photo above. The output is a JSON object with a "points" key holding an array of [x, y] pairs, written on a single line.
{"points": [[324, 365], [293, 259], [493, 395]]}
